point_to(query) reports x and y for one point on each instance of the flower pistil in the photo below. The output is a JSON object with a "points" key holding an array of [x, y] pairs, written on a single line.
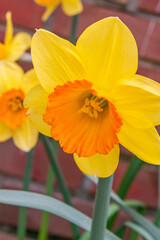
{"points": [[93, 106]]}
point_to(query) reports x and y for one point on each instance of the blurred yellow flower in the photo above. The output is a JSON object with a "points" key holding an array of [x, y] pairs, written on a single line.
{"points": [[13, 46], [70, 7], [14, 119], [94, 98]]}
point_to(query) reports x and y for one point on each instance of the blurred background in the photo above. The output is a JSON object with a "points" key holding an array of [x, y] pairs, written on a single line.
{"points": [[143, 19]]}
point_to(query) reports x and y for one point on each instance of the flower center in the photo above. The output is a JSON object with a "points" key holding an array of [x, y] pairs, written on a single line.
{"points": [[15, 104], [93, 106], [2, 51], [12, 112], [81, 121]]}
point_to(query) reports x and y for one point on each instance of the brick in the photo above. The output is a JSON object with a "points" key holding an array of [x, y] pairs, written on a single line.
{"points": [[71, 172], [25, 65], [147, 176], [121, 2], [150, 71], [2, 33], [152, 6], [93, 13], [13, 163], [24, 14], [153, 48], [149, 195]]}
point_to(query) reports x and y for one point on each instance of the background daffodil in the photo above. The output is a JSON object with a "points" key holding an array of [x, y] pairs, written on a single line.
{"points": [[14, 119], [70, 7], [13, 46], [94, 98]]}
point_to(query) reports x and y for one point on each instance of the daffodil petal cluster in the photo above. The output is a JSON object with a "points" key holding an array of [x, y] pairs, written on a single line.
{"points": [[13, 46], [70, 7], [14, 118], [90, 98]]}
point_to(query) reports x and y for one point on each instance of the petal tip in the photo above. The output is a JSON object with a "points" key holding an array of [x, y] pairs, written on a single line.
{"points": [[8, 14]]}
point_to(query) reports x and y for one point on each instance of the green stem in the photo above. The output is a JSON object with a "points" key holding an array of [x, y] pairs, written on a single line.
{"points": [[21, 232], [74, 29], [157, 218], [100, 213], [129, 176], [65, 192], [133, 169], [153, 230], [45, 217]]}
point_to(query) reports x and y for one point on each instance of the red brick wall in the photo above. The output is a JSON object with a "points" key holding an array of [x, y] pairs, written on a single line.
{"points": [[142, 17]]}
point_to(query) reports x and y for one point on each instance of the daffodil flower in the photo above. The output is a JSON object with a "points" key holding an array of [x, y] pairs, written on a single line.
{"points": [[70, 7], [14, 119], [13, 46], [91, 98]]}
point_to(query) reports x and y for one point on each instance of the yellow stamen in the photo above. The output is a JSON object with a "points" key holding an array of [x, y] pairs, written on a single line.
{"points": [[12, 111], [15, 104], [92, 106], [102, 101], [71, 111]]}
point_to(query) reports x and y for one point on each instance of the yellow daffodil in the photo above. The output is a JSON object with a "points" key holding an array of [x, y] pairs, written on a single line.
{"points": [[92, 99], [70, 7], [14, 119], [13, 46]]}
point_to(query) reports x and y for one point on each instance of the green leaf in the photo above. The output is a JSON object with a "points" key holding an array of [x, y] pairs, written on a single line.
{"points": [[85, 236], [43, 232], [21, 230], [120, 231], [157, 218], [51, 205], [114, 208], [51, 150], [129, 176], [153, 230], [134, 167], [139, 230]]}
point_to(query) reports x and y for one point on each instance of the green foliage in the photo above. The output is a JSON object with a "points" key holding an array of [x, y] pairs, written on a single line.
{"points": [[51, 205]]}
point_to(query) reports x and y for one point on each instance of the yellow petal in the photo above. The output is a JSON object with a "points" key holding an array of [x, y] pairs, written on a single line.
{"points": [[2, 51], [44, 2], [144, 143], [136, 118], [37, 121], [5, 132], [11, 76], [99, 165], [109, 52], [138, 101], [9, 29], [26, 136], [20, 43], [56, 60], [72, 7], [49, 9], [36, 100], [30, 80]]}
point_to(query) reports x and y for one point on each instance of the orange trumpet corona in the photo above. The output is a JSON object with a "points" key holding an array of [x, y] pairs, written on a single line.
{"points": [[74, 109], [12, 112]]}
